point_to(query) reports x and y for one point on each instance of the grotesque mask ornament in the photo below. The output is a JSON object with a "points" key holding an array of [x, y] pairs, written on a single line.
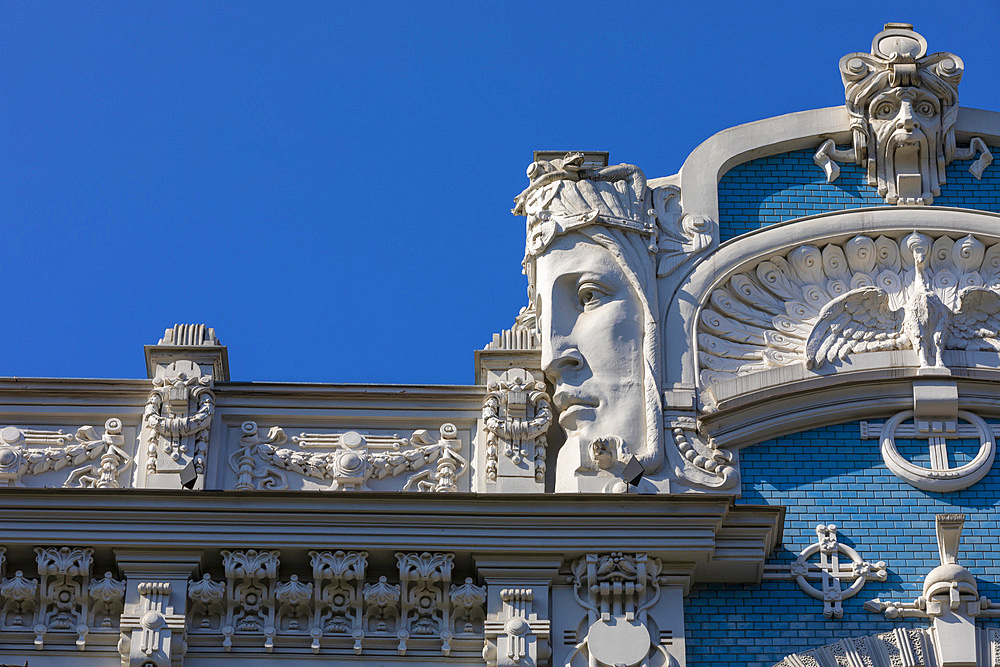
{"points": [[903, 106]]}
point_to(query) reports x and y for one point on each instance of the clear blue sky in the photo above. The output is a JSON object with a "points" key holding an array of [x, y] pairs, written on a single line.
{"points": [[328, 184]]}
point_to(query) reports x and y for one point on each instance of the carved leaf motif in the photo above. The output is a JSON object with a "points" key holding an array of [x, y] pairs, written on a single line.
{"points": [[206, 591]]}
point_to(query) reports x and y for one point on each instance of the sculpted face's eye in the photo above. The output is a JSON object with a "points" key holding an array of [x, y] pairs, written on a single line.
{"points": [[925, 108], [590, 295], [885, 110]]}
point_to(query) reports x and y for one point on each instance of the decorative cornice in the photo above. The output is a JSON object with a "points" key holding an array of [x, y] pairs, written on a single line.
{"points": [[711, 536]]}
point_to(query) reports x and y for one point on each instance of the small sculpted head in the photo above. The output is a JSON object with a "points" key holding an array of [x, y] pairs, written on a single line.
{"points": [[903, 106], [919, 247]]}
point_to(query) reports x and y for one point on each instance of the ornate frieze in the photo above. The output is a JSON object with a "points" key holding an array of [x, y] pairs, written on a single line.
{"points": [[338, 608], [832, 571], [819, 305], [97, 460], [63, 605], [903, 106], [348, 461]]}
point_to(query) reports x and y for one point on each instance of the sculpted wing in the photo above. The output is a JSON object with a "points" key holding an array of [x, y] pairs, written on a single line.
{"points": [[975, 324], [859, 321]]}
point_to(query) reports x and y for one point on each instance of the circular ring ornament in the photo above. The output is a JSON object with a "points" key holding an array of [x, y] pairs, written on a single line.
{"points": [[939, 479]]}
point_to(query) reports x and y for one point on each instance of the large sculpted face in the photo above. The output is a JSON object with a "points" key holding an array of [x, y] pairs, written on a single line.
{"points": [[591, 327], [906, 124]]}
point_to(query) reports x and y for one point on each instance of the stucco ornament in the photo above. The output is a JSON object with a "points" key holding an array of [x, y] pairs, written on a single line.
{"points": [[903, 106], [590, 259], [821, 305]]}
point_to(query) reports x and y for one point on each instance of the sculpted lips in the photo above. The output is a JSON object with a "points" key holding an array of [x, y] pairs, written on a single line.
{"points": [[574, 409]]}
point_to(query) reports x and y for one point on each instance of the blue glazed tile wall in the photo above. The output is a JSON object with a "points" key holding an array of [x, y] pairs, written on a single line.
{"points": [[830, 475], [790, 185]]}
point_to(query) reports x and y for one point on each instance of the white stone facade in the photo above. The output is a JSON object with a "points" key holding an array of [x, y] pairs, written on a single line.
{"points": [[559, 511]]}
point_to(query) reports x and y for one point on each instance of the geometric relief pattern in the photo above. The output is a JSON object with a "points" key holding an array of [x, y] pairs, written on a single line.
{"points": [[830, 573], [815, 304]]}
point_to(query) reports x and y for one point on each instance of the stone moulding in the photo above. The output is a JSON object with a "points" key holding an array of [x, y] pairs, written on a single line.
{"points": [[710, 536], [699, 175]]}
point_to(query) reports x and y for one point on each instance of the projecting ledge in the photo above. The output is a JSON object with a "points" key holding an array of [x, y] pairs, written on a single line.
{"points": [[720, 540]]}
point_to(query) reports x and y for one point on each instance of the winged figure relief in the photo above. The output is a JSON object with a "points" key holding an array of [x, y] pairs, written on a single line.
{"points": [[817, 305]]}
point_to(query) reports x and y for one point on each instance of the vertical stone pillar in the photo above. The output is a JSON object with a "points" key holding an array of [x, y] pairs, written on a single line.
{"points": [[518, 609], [153, 624], [177, 421]]}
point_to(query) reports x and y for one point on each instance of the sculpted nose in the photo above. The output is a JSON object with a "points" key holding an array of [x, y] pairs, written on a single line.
{"points": [[559, 359], [905, 119]]}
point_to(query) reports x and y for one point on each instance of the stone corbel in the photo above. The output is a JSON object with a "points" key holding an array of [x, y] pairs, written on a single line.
{"points": [[935, 402], [518, 624], [698, 463], [154, 620]]}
